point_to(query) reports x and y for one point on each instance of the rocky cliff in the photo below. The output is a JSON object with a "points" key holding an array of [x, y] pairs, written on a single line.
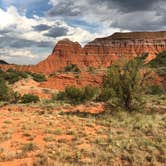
{"points": [[101, 51]]}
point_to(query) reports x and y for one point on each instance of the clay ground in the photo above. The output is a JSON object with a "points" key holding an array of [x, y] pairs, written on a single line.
{"points": [[44, 135]]}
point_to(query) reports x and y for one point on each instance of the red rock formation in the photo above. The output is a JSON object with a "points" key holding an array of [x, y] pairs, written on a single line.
{"points": [[61, 81], [100, 52], [103, 51]]}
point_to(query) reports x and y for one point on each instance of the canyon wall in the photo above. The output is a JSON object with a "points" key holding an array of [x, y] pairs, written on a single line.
{"points": [[100, 52]]}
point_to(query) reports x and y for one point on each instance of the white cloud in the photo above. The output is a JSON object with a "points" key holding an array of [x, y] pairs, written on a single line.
{"points": [[18, 56], [24, 26], [14, 25], [21, 53]]}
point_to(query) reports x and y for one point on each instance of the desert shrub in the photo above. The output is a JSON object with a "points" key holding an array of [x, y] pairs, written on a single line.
{"points": [[161, 71], [38, 77], [42, 159], [77, 95], [104, 95], [7, 94], [12, 76], [15, 97], [72, 68], [10, 70], [159, 63], [4, 91], [29, 147], [124, 85], [23, 74], [1, 71], [74, 95], [90, 92], [159, 66], [156, 90], [60, 96], [29, 98]]}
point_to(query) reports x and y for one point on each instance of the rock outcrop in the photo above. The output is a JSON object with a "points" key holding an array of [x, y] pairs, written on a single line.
{"points": [[104, 51], [61, 81], [100, 52]]}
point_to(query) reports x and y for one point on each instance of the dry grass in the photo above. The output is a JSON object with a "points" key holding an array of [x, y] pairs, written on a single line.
{"points": [[116, 138]]}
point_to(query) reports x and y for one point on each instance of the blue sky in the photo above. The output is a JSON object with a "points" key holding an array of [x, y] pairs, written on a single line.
{"points": [[29, 29], [38, 6]]}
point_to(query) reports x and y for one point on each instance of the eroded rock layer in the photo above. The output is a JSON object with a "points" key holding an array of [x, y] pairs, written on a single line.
{"points": [[100, 52]]}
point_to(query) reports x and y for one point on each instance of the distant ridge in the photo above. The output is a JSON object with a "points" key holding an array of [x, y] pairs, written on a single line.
{"points": [[2, 62], [137, 35]]}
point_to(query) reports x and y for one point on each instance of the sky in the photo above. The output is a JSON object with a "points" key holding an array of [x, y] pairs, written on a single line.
{"points": [[29, 29]]}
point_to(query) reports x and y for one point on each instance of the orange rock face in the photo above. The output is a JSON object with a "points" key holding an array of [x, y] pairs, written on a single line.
{"points": [[61, 81], [100, 52]]}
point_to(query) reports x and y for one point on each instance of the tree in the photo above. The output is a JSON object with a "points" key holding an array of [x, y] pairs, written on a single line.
{"points": [[29, 98], [125, 84]]}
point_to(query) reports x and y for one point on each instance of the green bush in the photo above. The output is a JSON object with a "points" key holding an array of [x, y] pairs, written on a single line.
{"points": [[60, 96], [159, 66], [15, 97], [156, 90], [124, 85], [38, 77], [90, 92], [76, 95], [7, 94], [72, 68], [104, 95], [161, 71], [29, 98], [4, 91], [159, 61], [1, 71], [12, 76]]}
